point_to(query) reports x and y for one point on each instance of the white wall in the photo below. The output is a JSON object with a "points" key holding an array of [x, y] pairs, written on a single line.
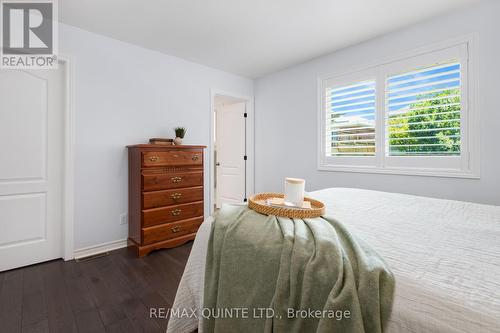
{"points": [[124, 94], [286, 108]]}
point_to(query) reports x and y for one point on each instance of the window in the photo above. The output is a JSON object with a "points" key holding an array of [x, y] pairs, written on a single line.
{"points": [[351, 120], [423, 112], [411, 116]]}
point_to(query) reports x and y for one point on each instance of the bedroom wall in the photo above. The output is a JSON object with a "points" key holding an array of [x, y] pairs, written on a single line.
{"points": [[286, 109], [124, 94]]}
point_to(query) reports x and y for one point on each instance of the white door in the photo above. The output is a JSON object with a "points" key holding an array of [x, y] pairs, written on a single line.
{"points": [[31, 166], [230, 141]]}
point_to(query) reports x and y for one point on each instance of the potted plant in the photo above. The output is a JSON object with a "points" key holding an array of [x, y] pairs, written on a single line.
{"points": [[179, 135]]}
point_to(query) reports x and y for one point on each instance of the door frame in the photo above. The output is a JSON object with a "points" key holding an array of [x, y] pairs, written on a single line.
{"points": [[250, 148], [69, 160]]}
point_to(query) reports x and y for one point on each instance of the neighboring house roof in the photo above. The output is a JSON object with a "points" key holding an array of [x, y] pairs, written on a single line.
{"points": [[353, 121]]}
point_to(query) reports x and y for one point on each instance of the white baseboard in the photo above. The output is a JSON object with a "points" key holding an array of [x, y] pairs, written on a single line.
{"points": [[101, 248]]}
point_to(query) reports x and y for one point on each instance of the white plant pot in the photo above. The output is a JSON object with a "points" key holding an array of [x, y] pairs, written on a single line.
{"points": [[178, 141]]}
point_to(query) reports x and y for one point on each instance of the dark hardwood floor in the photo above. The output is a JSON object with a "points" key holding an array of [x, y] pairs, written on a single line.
{"points": [[109, 294]]}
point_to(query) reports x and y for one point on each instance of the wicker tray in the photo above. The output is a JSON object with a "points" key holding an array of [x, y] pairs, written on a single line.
{"points": [[258, 203]]}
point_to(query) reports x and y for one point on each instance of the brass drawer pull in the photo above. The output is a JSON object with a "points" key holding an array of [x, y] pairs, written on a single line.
{"points": [[176, 212], [195, 158], [176, 229], [153, 158], [176, 179], [176, 196]]}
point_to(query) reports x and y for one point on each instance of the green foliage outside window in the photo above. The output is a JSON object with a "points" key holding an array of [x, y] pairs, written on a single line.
{"points": [[430, 127]]}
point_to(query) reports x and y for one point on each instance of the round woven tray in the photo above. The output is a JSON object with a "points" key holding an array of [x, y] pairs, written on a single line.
{"points": [[258, 203]]}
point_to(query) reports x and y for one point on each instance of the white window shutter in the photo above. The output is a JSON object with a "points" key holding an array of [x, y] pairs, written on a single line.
{"points": [[350, 120], [423, 111]]}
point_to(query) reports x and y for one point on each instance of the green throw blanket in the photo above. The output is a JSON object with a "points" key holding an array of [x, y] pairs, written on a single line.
{"points": [[274, 274]]}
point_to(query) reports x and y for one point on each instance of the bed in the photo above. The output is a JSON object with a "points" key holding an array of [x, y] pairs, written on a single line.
{"points": [[445, 256]]}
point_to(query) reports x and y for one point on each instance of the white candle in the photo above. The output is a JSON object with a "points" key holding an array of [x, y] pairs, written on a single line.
{"points": [[294, 191]]}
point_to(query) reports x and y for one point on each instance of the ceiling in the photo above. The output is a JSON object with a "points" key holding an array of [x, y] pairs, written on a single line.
{"points": [[251, 38]]}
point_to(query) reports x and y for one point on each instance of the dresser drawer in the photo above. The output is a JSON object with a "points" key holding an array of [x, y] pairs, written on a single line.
{"points": [[174, 213], [171, 197], [172, 158], [170, 230], [164, 181]]}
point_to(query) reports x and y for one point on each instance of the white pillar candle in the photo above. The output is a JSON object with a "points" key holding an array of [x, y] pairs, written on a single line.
{"points": [[294, 191]]}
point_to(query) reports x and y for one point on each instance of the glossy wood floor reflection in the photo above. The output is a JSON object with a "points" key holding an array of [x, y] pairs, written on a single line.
{"points": [[108, 294]]}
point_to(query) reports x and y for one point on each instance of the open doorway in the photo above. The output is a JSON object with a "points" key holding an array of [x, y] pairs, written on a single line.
{"points": [[230, 147]]}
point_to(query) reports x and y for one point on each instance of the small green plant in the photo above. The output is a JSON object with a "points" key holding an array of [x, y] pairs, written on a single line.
{"points": [[180, 132]]}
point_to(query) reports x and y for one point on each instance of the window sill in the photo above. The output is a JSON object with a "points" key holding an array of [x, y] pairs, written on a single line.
{"points": [[402, 171]]}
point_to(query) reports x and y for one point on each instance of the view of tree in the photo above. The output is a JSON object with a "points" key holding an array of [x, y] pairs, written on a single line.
{"points": [[429, 126]]}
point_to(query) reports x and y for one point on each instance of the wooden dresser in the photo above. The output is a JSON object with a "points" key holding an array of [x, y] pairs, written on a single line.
{"points": [[165, 195]]}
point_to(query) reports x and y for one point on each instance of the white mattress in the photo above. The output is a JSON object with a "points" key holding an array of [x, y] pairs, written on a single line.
{"points": [[445, 256]]}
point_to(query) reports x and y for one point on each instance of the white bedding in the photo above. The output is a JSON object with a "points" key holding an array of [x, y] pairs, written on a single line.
{"points": [[445, 256]]}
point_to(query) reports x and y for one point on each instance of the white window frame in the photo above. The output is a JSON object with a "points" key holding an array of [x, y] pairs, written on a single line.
{"points": [[464, 166]]}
